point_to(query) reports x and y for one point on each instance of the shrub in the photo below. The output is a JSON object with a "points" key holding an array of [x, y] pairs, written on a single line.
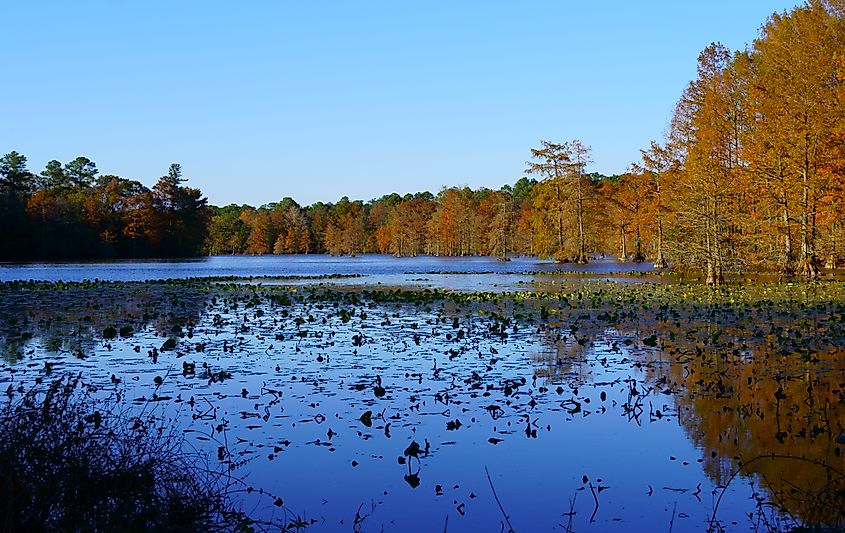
{"points": [[70, 460]]}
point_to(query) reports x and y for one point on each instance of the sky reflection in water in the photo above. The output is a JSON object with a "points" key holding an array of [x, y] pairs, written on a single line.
{"points": [[540, 399]]}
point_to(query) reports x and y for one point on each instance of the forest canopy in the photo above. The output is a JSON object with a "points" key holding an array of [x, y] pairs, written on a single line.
{"points": [[69, 211]]}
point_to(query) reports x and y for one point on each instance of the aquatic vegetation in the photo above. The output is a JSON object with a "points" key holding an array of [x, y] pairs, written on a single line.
{"points": [[723, 406]]}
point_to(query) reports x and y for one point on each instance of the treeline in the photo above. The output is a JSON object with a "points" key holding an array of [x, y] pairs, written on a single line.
{"points": [[70, 212], [750, 176], [558, 211], [458, 221]]}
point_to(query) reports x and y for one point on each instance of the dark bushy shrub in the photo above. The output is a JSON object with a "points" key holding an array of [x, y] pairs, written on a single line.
{"points": [[72, 461]]}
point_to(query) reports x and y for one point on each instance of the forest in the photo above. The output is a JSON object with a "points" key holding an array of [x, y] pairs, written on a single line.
{"points": [[749, 177], [70, 212]]}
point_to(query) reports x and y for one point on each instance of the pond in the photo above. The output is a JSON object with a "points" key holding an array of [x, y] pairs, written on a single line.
{"points": [[371, 269], [596, 406]]}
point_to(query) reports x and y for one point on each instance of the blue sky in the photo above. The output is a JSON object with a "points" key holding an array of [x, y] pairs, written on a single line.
{"points": [[317, 99]]}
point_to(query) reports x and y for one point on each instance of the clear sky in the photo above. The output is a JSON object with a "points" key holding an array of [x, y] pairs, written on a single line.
{"points": [[317, 100]]}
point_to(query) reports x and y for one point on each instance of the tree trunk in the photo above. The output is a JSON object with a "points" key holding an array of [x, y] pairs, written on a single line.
{"points": [[715, 275], [808, 267], [789, 259], [833, 257], [624, 248], [560, 251], [659, 260], [638, 255], [582, 241]]}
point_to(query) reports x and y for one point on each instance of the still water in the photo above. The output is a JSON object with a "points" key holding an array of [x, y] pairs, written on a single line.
{"points": [[373, 268], [605, 407]]}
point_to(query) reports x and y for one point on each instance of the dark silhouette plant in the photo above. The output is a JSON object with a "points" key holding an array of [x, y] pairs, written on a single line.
{"points": [[74, 459]]}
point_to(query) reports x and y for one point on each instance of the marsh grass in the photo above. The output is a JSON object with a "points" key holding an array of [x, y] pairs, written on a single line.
{"points": [[74, 460]]}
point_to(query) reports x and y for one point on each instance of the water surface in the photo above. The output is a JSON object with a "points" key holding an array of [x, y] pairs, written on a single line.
{"points": [[601, 407], [371, 267]]}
